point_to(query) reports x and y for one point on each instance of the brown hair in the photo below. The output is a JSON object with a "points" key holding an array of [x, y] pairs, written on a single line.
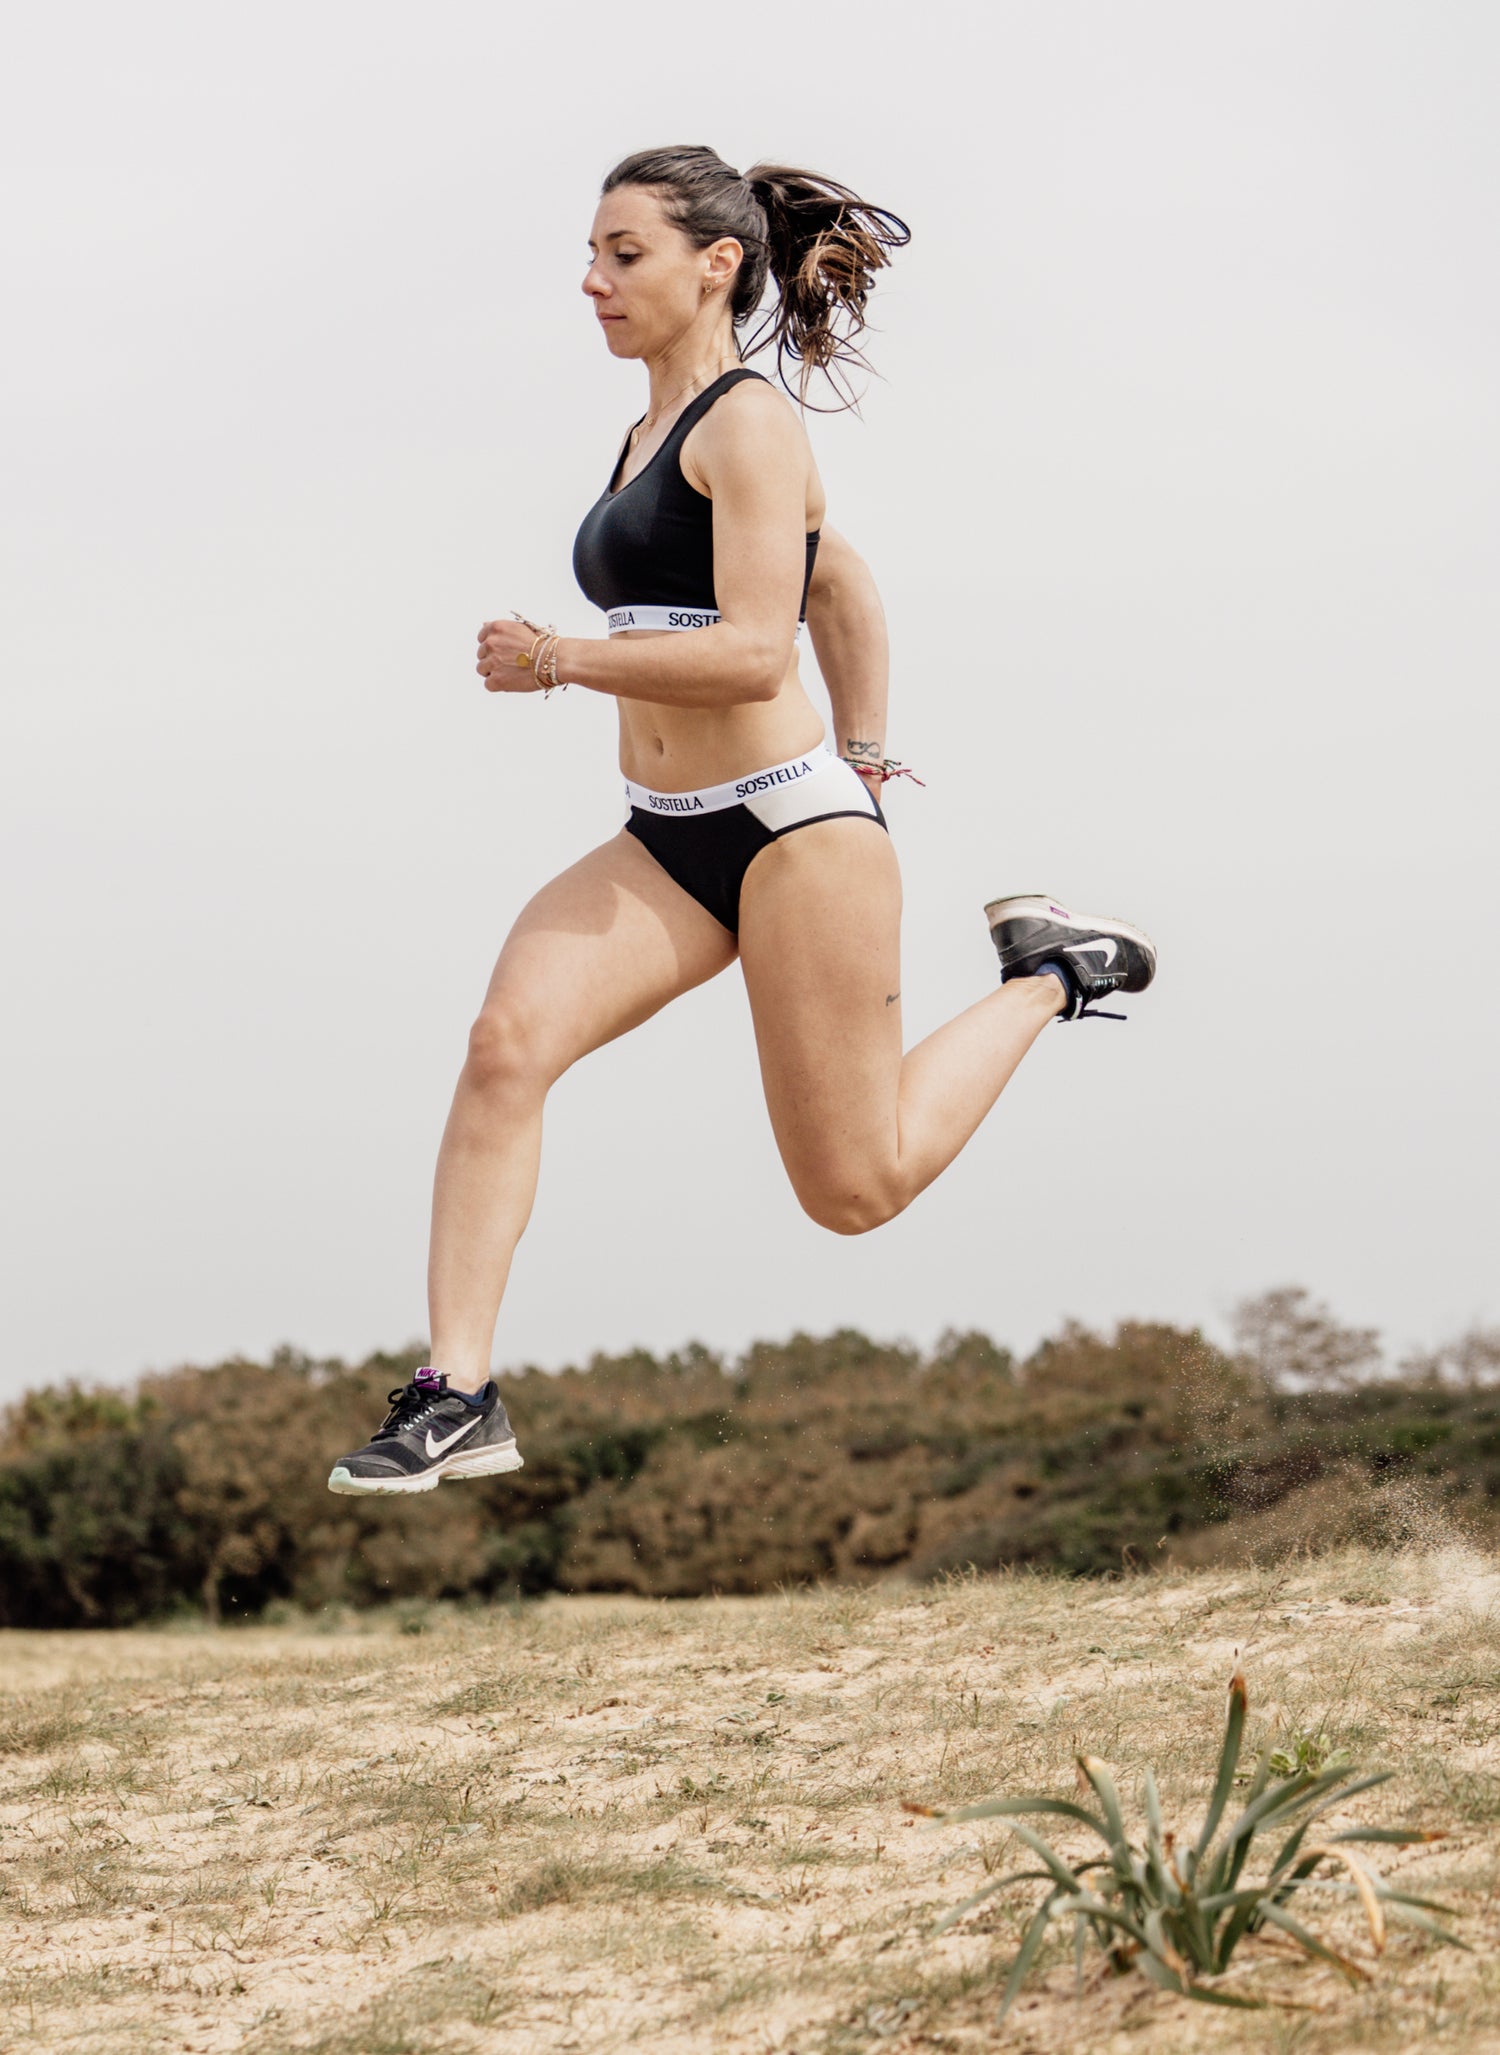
{"points": [[820, 243]]}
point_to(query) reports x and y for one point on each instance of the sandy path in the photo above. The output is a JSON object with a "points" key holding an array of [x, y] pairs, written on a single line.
{"points": [[583, 1825]]}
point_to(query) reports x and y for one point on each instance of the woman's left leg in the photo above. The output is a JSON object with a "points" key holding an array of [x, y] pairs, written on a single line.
{"points": [[862, 1127]]}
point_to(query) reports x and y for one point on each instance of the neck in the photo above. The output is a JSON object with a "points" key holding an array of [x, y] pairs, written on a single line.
{"points": [[689, 366]]}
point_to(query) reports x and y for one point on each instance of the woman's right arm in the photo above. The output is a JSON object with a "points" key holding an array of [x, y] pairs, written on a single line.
{"points": [[847, 624], [751, 453]]}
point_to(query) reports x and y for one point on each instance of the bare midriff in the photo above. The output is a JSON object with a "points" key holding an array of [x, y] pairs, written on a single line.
{"points": [[683, 748]]}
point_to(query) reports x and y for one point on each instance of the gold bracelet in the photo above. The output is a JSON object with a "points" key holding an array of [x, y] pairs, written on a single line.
{"points": [[527, 662]]}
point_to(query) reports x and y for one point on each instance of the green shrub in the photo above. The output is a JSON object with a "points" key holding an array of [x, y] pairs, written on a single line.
{"points": [[811, 1459]]}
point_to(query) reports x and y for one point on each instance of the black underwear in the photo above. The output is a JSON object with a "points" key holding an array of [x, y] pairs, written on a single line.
{"points": [[705, 841]]}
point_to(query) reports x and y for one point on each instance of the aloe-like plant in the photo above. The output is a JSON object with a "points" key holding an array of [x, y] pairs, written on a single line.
{"points": [[1177, 1910]]}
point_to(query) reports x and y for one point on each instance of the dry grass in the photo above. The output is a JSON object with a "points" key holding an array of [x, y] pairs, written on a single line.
{"points": [[589, 1824]]}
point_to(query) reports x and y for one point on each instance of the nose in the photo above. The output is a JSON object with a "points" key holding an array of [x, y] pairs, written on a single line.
{"points": [[594, 282]]}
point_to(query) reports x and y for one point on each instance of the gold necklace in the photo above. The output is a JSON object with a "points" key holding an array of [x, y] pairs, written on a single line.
{"points": [[648, 421]]}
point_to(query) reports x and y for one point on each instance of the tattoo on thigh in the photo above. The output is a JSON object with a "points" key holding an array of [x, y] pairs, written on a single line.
{"points": [[891, 998]]}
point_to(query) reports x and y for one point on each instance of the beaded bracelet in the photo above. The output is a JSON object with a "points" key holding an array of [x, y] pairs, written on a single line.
{"points": [[541, 658], [546, 667], [524, 660]]}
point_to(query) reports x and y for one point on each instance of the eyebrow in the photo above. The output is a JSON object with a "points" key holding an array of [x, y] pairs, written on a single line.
{"points": [[616, 235]]}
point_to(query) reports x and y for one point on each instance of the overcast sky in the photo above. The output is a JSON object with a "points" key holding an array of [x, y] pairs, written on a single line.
{"points": [[1180, 482]]}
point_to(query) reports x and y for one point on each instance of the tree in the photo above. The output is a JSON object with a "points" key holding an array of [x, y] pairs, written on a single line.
{"points": [[1471, 1363], [1295, 1343]]}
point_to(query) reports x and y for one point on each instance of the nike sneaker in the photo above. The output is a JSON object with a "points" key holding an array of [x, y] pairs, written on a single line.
{"points": [[1093, 958], [431, 1433]]}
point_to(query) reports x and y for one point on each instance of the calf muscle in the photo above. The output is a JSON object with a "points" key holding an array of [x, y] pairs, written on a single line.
{"points": [[595, 953]]}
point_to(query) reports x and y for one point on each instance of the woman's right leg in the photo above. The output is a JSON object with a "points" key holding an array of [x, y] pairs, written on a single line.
{"points": [[596, 952]]}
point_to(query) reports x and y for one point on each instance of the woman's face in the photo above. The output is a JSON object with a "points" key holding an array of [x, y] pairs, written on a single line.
{"points": [[647, 282]]}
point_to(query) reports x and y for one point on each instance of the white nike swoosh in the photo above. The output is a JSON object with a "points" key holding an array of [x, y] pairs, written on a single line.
{"points": [[436, 1448], [1104, 942]]}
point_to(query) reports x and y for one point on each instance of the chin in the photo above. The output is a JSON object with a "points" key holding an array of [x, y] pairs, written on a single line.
{"points": [[618, 342]]}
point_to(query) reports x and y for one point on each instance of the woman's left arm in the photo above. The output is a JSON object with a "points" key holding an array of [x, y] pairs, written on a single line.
{"points": [[847, 625], [751, 453]]}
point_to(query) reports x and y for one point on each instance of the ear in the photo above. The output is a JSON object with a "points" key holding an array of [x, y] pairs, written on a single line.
{"points": [[721, 260]]}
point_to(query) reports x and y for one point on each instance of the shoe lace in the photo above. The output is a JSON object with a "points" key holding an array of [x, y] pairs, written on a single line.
{"points": [[408, 1402]]}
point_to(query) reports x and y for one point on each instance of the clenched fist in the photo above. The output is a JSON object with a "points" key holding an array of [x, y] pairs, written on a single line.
{"points": [[501, 646]]}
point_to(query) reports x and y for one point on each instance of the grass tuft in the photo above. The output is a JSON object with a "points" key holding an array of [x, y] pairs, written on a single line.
{"points": [[1178, 1913]]}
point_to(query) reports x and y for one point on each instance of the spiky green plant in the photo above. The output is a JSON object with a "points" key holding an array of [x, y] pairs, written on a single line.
{"points": [[1176, 1910]]}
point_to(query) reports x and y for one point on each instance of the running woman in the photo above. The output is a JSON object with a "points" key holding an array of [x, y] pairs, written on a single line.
{"points": [[746, 836]]}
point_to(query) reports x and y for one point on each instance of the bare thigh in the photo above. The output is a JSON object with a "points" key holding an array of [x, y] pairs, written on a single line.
{"points": [[595, 953], [820, 945]]}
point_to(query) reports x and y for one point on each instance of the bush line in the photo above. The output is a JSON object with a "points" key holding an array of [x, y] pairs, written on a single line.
{"points": [[840, 1458]]}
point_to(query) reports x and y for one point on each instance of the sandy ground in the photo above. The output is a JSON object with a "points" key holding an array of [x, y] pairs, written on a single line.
{"points": [[591, 1824]]}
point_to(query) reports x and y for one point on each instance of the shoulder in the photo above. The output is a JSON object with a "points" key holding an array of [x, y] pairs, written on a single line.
{"points": [[752, 422], [755, 407]]}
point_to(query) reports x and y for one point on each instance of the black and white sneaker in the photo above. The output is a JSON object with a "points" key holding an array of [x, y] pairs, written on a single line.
{"points": [[431, 1433], [1093, 958]]}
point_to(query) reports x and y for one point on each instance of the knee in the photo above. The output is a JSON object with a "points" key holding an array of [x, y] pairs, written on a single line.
{"points": [[507, 1047], [850, 1207]]}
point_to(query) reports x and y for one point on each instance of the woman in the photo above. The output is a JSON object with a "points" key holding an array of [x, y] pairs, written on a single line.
{"points": [[745, 837]]}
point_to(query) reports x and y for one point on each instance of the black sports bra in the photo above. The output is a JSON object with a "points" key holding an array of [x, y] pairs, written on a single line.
{"points": [[645, 551]]}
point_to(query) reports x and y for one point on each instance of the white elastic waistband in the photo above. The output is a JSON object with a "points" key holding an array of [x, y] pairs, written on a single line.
{"points": [[664, 620], [714, 798], [669, 618]]}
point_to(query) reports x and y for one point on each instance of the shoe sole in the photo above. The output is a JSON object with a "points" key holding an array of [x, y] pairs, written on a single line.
{"points": [[484, 1462], [1037, 906]]}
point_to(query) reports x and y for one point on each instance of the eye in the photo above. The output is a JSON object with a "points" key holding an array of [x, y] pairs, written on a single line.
{"points": [[627, 256]]}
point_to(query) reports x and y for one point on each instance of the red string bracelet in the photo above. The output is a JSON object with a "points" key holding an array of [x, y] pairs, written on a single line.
{"points": [[886, 771]]}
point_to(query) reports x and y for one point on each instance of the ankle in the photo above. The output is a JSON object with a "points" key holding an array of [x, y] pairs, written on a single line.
{"points": [[1052, 988], [468, 1381]]}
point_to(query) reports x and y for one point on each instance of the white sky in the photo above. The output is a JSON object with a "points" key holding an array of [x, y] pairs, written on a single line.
{"points": [[1181, 486]]}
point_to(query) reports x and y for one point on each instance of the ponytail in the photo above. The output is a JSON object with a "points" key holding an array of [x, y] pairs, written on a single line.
{"points": [[825, 245], [816, 241]]}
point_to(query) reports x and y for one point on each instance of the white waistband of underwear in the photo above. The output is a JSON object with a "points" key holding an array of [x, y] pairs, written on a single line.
{"points": [[714, 798], [664, 620]]}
